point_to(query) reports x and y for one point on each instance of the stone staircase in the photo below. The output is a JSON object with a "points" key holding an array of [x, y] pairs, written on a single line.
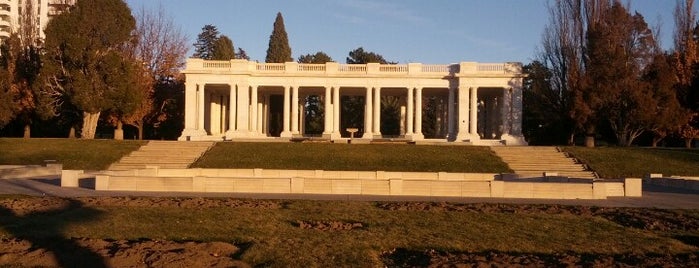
{"points": [[533, 161], [165, 154]]}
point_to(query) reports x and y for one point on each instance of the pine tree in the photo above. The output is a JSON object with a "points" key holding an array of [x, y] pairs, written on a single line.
{"points": [[223, 49], [204, 47], [279, 50]]}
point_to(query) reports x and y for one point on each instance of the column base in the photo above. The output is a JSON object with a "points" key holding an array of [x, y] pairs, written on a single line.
{"points": [[418, 136], [189, 134], [467, 137], [512, 140], [285, 134], [335, 136], [245, 134], [368, 136]]}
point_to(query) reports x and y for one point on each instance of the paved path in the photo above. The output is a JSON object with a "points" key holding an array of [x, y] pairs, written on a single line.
{"points": [[653, 196]]}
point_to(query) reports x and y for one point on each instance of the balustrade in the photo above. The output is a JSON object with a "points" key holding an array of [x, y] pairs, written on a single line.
{"points": [[330, 68]]}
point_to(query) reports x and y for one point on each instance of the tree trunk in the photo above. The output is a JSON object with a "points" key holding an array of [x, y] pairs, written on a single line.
{"points": [[89, 125], [655, 141], [688, 142], [590, 141], [119, 131], [571, 139], [140, 129], [590, 136], [71, 133], [27, 131]]}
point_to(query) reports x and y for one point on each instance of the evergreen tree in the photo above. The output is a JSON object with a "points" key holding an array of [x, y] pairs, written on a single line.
{"points": [[279, 50], [359, 56], [319, 57], [223, 49], [315, 113], [206, 40], [84, 60], [241, 54]]}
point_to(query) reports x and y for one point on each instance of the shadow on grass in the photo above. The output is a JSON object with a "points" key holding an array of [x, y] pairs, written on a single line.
{"points": [[44, 229], [402, 257]]}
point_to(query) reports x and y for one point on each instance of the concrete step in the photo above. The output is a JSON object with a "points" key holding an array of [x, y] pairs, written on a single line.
{"points": [[165, 154], [534, 161]]}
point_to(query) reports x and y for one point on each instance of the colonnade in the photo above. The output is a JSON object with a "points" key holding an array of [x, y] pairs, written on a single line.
{"points": [[248, 109]]}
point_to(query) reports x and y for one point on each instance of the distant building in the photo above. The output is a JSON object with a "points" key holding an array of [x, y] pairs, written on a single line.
{"points": [[42, 10]]}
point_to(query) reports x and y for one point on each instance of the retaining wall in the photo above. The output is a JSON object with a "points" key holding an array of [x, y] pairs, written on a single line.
{"points": [[354, 182]]}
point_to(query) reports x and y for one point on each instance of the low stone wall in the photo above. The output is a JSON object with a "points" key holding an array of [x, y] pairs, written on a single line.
{"points": [[680, 182], [352, 182], [50, 168]]}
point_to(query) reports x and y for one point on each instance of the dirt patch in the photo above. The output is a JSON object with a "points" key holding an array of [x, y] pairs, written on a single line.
{"points": [[187, 202], [329, 225], [119, 253], [432, 258], [22, 206], [640, 218]]}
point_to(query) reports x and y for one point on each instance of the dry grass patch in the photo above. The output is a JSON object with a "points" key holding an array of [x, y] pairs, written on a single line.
{"points": [[72, 153], [620, 162]]}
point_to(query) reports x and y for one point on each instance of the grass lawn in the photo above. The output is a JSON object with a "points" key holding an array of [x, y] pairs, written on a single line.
{"points": [[72, 153], [271, 236], [618, 162], [325, 156]]}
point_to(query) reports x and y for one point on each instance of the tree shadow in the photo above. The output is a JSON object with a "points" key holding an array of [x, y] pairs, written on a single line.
{"points": [[45, 230]]}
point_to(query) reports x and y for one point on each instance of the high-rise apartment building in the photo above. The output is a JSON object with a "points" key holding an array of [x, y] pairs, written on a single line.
{"points": [[41, 11]]}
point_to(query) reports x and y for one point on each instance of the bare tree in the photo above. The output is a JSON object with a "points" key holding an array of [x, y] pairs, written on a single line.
{"points": [[161, 47]]}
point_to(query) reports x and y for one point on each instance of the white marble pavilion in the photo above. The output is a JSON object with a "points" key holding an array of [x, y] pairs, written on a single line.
{"points": [[475, 103]]}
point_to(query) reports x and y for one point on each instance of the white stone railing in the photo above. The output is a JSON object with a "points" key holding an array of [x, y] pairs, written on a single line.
{"points": [[352, 68], [293, 68]]}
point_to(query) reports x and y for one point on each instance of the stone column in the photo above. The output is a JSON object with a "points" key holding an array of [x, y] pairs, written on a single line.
{"points": [[464, 116], [474, 114], [243, 108], [191, 112], [286, 132], [260, 116], [201, 109], [418, 114], [336, 113], [328, 116], [368, 114], [411, 112], [377, 112], [253, 110], [302, 115], [232, 110]]}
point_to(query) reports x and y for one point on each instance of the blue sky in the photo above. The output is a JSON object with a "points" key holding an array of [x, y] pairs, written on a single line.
{"points": [[434, 31]]}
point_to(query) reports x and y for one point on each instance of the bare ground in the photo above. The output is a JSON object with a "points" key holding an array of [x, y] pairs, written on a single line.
{"points": [[83, 252]]}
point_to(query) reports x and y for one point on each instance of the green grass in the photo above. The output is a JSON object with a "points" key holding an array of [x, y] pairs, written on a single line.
{"points": [[72, 153], [369, 157], [619, 162], [273, 240]]}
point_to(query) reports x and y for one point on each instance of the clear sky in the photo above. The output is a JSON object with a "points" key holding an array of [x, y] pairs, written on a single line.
{"points": [[434, 31]]}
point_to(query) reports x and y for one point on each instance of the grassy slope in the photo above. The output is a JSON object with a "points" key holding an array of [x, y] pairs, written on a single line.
{"points": [[72, 153], [617, 162], [386, 157], [272, 238]]}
